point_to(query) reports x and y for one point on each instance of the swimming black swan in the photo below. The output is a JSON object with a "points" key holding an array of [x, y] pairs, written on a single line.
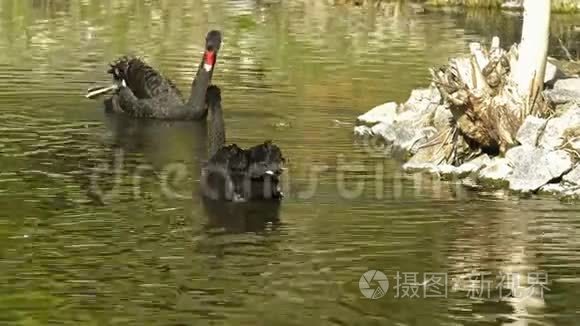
{"points": [[143, 92], [237, 174]]}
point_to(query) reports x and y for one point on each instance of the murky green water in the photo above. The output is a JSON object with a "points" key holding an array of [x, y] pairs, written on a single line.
{"points": [[101, 221]]}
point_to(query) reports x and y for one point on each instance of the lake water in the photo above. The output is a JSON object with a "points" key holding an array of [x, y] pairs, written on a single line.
{"points": [[101, 222]]}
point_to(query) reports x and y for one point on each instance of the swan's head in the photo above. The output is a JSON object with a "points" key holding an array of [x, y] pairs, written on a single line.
{"points": [[213, 42]]}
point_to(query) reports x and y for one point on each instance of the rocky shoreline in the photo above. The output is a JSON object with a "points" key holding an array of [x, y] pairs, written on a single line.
{"points": [[545, 158]]}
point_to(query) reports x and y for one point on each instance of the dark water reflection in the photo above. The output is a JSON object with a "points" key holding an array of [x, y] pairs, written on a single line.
{"points": [[101, 219]]}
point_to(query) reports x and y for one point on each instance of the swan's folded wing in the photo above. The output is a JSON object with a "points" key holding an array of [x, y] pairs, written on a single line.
{"points": [[231, 159], [142, 79], [265, 159]]}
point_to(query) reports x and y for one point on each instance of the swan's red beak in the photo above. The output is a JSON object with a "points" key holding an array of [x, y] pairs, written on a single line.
{"points": [[208, 60]]}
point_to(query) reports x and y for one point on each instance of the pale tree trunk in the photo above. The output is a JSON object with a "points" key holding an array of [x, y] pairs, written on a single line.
{"points": [[533, 50]]}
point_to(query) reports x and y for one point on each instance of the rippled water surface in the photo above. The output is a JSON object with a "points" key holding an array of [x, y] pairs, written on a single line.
{"points": [[101, 221]]}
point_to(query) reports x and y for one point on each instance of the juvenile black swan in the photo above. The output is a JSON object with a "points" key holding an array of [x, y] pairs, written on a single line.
{"points": [[237, 174], [143, 92]]}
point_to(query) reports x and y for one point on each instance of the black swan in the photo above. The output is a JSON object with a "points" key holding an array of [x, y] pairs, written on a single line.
{"points": [[143, 92], [237, 174]]}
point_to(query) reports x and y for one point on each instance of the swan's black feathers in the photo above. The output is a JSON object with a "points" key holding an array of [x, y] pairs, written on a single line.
{"points": [[257, 162], [265, 159], [213, 95], [249, 174], [230, 159], [143, 80]]}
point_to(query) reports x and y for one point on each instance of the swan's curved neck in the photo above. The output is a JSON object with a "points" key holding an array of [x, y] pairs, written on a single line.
{"points": [[196, 101], [216, 128]]}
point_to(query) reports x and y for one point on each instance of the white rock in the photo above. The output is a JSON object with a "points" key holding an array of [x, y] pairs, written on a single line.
{"points": [[558, 162], [573, 177], [363, 131], [498, 169], [531, 130], [553, 73], [385, 131], [475, 165], [534, 167], [569, 84], [575, 144], [448, 169], [564, 91], [572, 112], [422, 135], [423, 101], [553, 188], [558, 97], [553, 136], [380, 128], [406, 135], [563, 190], [410, 116], [425, 155], [384, 113], [431, 93]]}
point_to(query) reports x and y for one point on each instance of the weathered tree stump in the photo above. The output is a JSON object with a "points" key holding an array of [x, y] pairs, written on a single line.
{"points": [[487, 105]]}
